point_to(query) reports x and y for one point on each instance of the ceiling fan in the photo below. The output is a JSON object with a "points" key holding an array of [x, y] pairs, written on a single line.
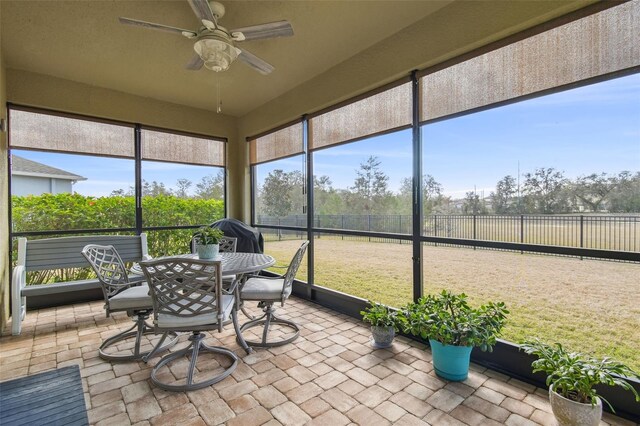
{"points": [[215, 45]]}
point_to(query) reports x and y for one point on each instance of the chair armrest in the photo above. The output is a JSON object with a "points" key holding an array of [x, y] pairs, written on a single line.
{"points": [[232, 288], [18, 302], [19, 278], [276, 277], [279, 267], [135, 279]]}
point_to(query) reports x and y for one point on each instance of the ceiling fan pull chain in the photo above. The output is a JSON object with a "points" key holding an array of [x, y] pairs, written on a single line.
{"points": [[218, 100]]}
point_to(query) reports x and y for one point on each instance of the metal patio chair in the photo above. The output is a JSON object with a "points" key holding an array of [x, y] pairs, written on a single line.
{"points": [[267, 291], [123, 293], [187, 295]]}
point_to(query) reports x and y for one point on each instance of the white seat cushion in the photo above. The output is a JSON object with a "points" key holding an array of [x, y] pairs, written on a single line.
{"points": [[263, 289], [228, 278], [136, 297], [176, 321]]}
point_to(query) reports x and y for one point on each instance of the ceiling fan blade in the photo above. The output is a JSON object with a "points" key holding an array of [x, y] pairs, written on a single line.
{"points": [[203, 11], [160, 27], [262, 31], [195, 63], [256, 63]]}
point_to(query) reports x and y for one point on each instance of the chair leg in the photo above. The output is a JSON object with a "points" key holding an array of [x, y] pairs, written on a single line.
{"points": [[240, 302], [266, 321], [239, 338], [267, 326], [195, 347], [246, 313], [141, 329], [159, 347]]}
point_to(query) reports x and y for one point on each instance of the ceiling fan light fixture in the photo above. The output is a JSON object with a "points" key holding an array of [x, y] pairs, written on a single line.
{"points": [[214, 44], [216, 53]]}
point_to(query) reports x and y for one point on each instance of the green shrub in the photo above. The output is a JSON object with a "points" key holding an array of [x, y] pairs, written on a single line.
{"points": [[62, 212]]}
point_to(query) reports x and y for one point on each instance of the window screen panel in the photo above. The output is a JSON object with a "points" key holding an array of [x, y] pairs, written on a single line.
{"points": [[46, 132], [177, 148], [595, 45], [282, 143], [375, 114]]}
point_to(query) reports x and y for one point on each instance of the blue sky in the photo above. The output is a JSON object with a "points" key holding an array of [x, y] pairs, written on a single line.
{"points": [[108, 174], [591, 129]]}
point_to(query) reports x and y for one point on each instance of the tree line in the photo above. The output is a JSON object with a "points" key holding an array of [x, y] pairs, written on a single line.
{"points": [[543, 191], [210, 187]]}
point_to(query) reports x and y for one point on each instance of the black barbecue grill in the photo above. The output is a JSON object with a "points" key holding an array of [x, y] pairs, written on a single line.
{"points": [[249, 239]]}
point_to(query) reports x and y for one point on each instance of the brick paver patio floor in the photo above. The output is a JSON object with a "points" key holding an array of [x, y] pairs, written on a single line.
{"points": [[329, 376]]}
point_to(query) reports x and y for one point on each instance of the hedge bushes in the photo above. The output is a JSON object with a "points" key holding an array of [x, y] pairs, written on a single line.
{"points": [[49, 212]]}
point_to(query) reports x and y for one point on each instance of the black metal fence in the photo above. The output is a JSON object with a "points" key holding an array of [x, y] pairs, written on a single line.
{"points": [[604, 232]]}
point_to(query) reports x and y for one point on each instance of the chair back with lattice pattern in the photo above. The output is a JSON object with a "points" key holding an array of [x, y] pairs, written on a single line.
{"points": [[227, 244], [183, 287], [109, 268], [292, 270]]}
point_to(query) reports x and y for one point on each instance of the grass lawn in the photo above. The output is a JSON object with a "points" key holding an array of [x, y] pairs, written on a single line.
{"points": [[590, 306]]}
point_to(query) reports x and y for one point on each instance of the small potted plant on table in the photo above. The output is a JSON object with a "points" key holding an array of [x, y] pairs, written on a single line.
{"points": [[383, 324], [207, 242], [571, 377], [453, 329]]}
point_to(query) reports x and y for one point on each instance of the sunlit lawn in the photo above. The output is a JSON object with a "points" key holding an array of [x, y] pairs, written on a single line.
{"points": [[588, 305]]}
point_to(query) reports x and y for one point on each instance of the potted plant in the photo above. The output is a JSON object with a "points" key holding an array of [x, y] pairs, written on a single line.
{"points": [[383, 324], [453, 329], [207, 241], [571, 377]]}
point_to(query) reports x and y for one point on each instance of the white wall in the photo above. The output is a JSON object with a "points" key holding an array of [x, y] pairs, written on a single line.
{"points": [[33, 185]]}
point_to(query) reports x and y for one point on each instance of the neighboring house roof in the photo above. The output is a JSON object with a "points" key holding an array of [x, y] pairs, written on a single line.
{"points": [[23, 167]]}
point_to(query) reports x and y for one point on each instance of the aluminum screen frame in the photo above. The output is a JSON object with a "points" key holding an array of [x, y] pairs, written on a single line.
{"points": [[382, 112], [169, 147], [281, 143], [592, 46], [44, 131]]}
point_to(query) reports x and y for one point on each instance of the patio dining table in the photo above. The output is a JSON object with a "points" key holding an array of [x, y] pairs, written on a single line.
{"points": [[232, 263]]}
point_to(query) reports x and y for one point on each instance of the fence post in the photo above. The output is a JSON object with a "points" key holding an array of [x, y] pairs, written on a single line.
{"points": [[435, 227], [581, 232], [342, 217], [400, 225], [474, 230], [521, 231], [369, 224], [279, 231]]}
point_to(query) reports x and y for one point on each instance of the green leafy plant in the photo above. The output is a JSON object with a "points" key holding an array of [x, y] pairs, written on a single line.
{"points": [[379, 315], [449, 319], [206, 235], [574, 375]]}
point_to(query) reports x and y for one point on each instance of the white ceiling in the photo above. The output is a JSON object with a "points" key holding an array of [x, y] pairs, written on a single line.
{"points": [[82, 41]]}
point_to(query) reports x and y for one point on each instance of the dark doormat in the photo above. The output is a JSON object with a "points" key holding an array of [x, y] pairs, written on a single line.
{"points": [[49, 398]]}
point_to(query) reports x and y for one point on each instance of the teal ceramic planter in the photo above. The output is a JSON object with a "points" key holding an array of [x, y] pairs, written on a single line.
{"points": [[208, 252], [450, 362]]}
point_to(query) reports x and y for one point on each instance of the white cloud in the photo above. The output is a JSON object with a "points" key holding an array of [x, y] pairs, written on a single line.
{"points": [[363, 153]]}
